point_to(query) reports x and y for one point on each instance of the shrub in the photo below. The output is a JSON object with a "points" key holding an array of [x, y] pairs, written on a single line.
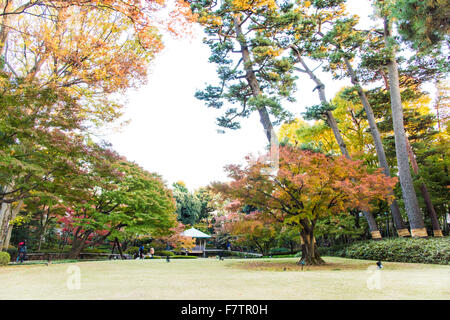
{"points": [[13, 252], [5, 258], [279, 251], [154, 257], [431, 250], [281, 256], [96, 250], [132, 251], [183, 257], [164, 253]]}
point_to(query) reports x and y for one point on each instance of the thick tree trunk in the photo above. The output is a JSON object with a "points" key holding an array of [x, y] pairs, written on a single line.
{"points": [[78, 245], [5, 210], [437, 232], [400, 225], [374, 232], [310, 252], [409, 195], [14, 212]]}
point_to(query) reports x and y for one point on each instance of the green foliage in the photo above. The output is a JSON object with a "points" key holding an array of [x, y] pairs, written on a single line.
{"points": [[425, 24], [5, 258], [411, 250], [279, 251], [189, 206], [12, 251], [183, 257], [253, 75], [132, 251], [153, 257], [96, 250], [164, 253], [317, 112]]}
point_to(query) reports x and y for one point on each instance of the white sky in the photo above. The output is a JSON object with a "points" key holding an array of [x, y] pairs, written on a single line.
{"points": [[174, 134]]}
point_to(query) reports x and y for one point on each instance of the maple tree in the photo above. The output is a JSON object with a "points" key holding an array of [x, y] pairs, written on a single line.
{"points": [[307, 187], [176, 240], [118, 196]]}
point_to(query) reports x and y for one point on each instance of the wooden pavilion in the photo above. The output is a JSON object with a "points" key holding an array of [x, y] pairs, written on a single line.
{"points": [[200, 239]]}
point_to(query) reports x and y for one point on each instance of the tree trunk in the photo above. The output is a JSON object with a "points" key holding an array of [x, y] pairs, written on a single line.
{"points": [[14, 212], [253, 81], [375, 233], [409, 195], [119, 248], [5, 211], [78, 245], [310, 252], [437, 232], [402, 231]]}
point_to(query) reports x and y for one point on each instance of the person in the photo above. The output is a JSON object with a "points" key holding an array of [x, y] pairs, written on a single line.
{"points": [[380, 265], [22, 251], [18, 250], [141, 252], [228, 246], [152, 252]]}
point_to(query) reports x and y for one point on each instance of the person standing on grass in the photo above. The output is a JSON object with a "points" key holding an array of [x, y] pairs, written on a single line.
{"points": [[22, 251], [152, 252], [141, 252], [18, 250]]}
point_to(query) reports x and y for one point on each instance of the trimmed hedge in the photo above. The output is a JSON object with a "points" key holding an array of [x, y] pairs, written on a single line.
{"points": [[5, 258], [172, 257], [279, 251], [413, 250], [165, 253]]}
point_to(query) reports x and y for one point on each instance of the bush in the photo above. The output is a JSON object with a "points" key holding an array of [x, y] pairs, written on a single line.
{"points": [[154, 257], [96, 250], [183, 257], [165, 253], [431, 250], [5, 258], [281, 256], [279, 251], [132, 251], [13, 252]]}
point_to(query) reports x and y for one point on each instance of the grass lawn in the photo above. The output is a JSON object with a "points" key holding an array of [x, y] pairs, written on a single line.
{"points": [[277, 279]]}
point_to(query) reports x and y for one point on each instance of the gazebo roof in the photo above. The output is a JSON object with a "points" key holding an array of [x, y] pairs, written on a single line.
{"points": [[194, 233]]}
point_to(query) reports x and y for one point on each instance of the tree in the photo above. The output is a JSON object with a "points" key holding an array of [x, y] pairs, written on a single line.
{"points": [[188, 206], [115, 196], [253, 229], [412, 206], [307, 187], [328, 34], [250, 68], [176, 240]]}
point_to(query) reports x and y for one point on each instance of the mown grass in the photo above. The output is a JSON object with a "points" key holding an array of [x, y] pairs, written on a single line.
{"points": [[205, 279]]}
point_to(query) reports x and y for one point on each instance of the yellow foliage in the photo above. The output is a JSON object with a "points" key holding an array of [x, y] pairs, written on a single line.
{"points": [[254, 5]]}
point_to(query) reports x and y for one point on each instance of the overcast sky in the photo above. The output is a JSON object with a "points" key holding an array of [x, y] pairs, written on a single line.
{"points": [[174, 134]]}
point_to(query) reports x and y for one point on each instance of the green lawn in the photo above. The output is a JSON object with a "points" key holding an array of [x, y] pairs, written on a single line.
{"points": [[230, 279]]}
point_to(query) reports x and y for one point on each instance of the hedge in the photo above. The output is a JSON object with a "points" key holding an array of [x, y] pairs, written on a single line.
{"points": [[413, 250], [164, 253], [5, 258], [172, 257]]}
